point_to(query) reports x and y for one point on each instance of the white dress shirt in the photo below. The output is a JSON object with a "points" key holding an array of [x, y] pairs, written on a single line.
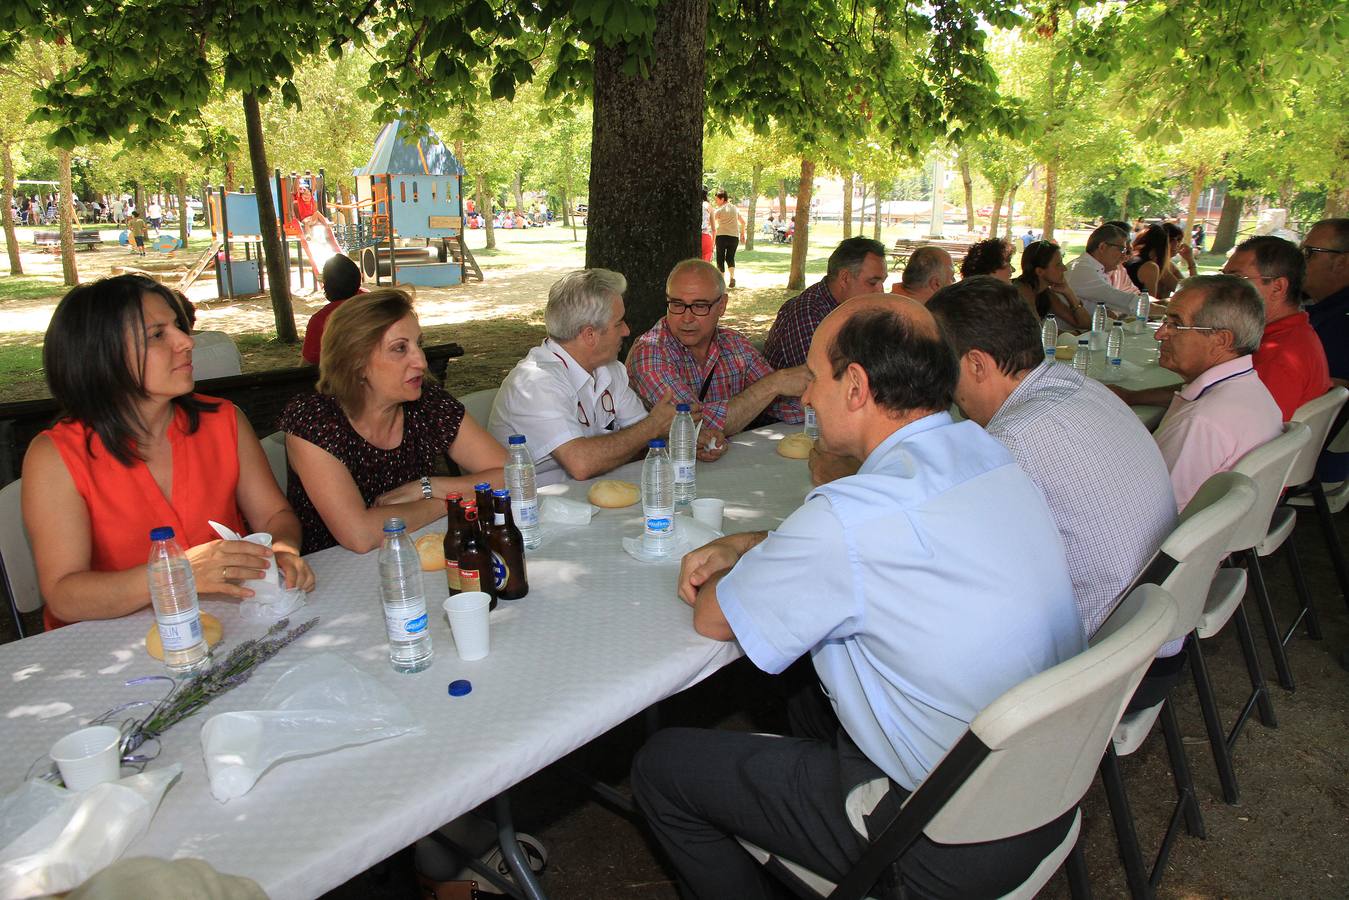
{"points": [[1087, 278]]}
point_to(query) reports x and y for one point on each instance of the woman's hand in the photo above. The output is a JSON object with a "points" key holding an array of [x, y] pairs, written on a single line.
{"points": [[219, 566], [297, 571], [408, 493]]}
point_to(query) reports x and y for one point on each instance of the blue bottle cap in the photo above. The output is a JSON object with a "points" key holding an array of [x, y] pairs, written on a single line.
{"points": [[682, 407], [657, 444], [515, 439], [393, 524], [461, 687], [162, 533], [483, 486], [501, 492]]}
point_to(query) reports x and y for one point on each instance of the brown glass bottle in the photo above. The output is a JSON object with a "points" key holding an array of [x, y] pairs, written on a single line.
{"points": [[508, 550], [482, 495], [475, 559], [454, 522]]}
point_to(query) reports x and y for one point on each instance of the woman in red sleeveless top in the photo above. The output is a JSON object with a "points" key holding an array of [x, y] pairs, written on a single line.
{"points": [[135, 449]]}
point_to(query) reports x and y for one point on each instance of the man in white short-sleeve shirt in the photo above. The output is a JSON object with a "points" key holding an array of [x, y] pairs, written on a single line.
{"points": [[569, 396]]}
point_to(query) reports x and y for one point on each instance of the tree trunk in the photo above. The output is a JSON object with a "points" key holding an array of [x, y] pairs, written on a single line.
{"points": [[1197, 178], [862, 207], [1225, 237], [231, 179], [796, 277], [519, 194], [646, 159], [1051, 199], [1285, 195], [278, 276], [6, 204], [138, 197], [847, 205], [1337, 204], [876, 222], [964, 163], [1011, 211], [999, 194], [66, 210], [782, 199], [184, 214], [485, 210], [755, 174], [1123, 205]]}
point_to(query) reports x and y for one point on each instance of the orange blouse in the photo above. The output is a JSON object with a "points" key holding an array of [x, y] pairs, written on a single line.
{"points": [[125, 502]]}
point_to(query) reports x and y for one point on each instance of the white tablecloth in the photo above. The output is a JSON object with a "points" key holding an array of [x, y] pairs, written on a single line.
{"points": [[599, 638]]}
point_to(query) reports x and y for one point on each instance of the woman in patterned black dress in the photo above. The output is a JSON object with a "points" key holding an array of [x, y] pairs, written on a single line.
{"points": [[363, 446]]}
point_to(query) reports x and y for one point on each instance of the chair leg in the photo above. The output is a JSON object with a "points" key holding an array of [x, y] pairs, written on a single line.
{"points": [[1208, 707], [1129, 853], [1259, 688], [1332, 538], [1180, 771], [1257, 576], [1308, 610], [1079, 883]]}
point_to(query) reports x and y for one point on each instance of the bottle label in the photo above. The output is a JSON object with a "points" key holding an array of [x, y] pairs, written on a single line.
{"points": [[684, 472], [180, 631], [500, 571], [452, 575], [526, 512], [407, 623], [810, 416], [659, 524], [470, 580]]}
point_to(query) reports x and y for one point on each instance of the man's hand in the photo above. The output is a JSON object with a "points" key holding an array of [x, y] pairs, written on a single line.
{"points": [[663, 413], [826, 467], [712, 445], [791, 382], [702, 564]]}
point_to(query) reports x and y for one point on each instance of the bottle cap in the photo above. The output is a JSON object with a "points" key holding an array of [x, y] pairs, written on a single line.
{"points": [[162, 533], [392, 524], [682, 407], [461, 687], [501, 492], [1081, 341], [515, 439], [657, 444], [482, 486], [452, 496]]}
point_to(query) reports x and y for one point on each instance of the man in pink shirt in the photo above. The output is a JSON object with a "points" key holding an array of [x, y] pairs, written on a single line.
{"points": [[1291, 360], [1224, 410]]}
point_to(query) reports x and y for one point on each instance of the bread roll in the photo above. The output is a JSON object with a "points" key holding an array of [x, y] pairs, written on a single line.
{"points": [[795, 446], [211, 629], [613, 494], [431, 549]]}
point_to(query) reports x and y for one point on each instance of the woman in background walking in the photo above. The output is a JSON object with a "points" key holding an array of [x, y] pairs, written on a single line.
{"points": [[730, 232]]}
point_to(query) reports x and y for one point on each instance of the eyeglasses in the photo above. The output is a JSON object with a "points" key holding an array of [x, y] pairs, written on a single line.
{"points": [[1120, 247], [699, 307], [1308, 251], [1173, 323]]}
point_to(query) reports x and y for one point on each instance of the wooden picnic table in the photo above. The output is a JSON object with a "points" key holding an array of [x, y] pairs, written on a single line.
{"points": [[904, 247]]}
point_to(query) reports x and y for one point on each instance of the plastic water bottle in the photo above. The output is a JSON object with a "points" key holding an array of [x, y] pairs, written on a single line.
{"points": [[520, 482], [173, 592], [684, 454], [1142, 309], [1082, 357], [1114, 351], [658, 500], [1099, 319], [812, 426], [1049, 336], [400, 590]]}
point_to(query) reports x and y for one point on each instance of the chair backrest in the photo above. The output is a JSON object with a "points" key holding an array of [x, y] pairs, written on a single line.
{"points": [[1046, 736], [1197, 545], [1318, 415], [1268, 466], [479, 404], [16, 553], [274, 445]]}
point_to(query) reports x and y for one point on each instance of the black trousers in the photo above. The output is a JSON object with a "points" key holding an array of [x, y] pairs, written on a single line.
{"points": [[726, 246]]}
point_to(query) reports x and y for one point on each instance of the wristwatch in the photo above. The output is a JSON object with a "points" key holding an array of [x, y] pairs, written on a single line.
{"points": [[426, 487]]}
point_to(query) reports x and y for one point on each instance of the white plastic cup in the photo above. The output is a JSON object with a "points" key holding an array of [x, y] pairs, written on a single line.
{"points": [[89, 757], [468, 621], [267, 587], [709, 511]]}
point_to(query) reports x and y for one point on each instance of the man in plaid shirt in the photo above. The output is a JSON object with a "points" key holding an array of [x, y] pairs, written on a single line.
{"points": [[687, 353], [856, 267]]}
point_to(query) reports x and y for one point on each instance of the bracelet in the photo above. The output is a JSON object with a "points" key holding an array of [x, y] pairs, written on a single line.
{"points": [[426, 487]]}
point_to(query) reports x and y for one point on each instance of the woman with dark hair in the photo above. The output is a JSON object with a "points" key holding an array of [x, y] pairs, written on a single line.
{"points": [[992, 256], [134, 449], [1151, 259], [363, 446], [1043, 285], [730, 230]]}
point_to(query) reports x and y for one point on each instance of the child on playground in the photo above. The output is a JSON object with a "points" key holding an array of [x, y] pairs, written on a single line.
{"points": [[138, 229]]}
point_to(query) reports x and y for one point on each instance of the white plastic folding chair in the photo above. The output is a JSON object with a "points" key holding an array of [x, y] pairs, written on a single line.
{"points": [[479, 404], [16, 557], [274, 445], [1268, 528], [1319, 415], [1184, 566], [1027, 759]]}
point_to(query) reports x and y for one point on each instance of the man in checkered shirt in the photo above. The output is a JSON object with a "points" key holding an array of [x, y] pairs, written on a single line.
{"points": [[856, 267], [1101, 472], [689, 354]]}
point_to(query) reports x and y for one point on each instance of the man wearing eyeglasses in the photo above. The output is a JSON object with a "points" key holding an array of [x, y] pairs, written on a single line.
{"points": [[1107, 247], [1224, 410], [1290, 360], [1326, 248], [689, 354]]}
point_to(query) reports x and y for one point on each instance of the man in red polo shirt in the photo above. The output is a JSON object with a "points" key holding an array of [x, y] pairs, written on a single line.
{"points": [[1291, 360]]}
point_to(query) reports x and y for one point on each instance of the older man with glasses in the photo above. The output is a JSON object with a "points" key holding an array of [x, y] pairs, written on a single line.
{"points": [[1107, 247], [1326, 249], [1224, 410], [689, 354]]}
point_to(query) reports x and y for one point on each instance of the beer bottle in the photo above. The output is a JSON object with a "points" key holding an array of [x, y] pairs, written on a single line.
{"points": [[508, 550], [475, 559], [483, 497], [454, 521]]}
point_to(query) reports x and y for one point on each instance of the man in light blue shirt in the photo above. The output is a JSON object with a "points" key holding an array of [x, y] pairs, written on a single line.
{"points": [[923, 587]]}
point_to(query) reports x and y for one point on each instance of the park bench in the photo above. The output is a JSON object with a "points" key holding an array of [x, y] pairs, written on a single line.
{"points": [[261, 396], [903, 249], [51, 240]]}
